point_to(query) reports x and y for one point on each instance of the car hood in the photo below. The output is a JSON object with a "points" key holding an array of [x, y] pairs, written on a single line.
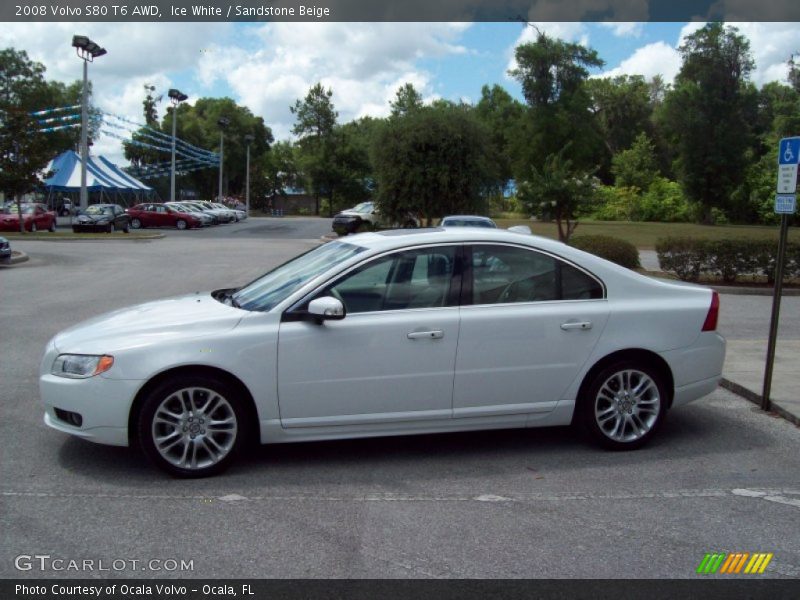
{"points": [[93, 218], [183, 317], [349, 213]]}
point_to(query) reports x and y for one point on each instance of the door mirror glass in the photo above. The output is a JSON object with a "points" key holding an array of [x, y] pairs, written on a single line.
{"points": [[326, 307]]}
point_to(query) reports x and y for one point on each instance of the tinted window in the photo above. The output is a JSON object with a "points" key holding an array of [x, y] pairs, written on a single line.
{"points": [[505, 274], [403, 280]]}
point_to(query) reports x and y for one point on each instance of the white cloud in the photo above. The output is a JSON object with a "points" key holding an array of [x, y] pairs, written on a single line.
{"points": [[363, 63], [771, 45], [658, 58], [624, 28]]}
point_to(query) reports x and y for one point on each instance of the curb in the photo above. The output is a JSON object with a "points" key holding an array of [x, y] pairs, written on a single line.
{"points": [[751, 396], [42, 238], [753, 291], [17, 256]]}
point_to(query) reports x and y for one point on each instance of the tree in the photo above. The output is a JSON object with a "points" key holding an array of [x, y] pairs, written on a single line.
{"points": [[622, 108], [558, 190], [407, 100], [316, 119], [198, 125], [708, 116], [432, 162], [553, 76], [501, 115], [636, 167], [24, 150]]}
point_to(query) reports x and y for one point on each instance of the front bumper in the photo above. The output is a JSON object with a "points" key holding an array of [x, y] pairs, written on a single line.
{"points": [[89, 227], [104, 405]]}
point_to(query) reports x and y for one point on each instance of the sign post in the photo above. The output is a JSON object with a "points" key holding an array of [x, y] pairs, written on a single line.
{"points": [[785, 205]]}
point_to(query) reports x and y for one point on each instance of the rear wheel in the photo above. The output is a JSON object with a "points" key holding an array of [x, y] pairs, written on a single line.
{"points": [[625, 405], [180, 224], [136, 223], [192, 426]]}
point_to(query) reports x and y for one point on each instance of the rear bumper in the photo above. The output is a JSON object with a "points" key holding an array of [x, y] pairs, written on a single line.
{"points": [[696, 369]]}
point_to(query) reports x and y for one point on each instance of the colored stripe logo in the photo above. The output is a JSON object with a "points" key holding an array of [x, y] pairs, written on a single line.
{"points": [[734, 563]]}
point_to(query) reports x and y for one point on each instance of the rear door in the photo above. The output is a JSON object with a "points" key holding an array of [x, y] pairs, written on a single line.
{"points": [[529, 321]]}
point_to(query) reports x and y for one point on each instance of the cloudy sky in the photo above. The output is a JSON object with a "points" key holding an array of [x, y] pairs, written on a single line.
{"points": [[267, 66]]}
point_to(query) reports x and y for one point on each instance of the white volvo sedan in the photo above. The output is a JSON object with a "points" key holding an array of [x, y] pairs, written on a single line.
{"points": [[391, 333]]}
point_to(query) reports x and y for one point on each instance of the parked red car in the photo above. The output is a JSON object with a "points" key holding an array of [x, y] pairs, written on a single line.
{"points": [[35, 217], [159, 215]]}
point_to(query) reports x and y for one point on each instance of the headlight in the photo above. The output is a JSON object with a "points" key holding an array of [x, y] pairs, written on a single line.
{"points": [[81, 366]]}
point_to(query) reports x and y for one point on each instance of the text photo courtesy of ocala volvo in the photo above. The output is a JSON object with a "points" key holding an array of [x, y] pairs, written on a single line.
{"points": [[391, 333]]}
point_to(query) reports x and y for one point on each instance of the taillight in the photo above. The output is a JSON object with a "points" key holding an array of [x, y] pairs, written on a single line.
{"points": [[713, 313]]}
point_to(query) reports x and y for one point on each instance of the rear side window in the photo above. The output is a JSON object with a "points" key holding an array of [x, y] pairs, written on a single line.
{"points": [[508, 274]]}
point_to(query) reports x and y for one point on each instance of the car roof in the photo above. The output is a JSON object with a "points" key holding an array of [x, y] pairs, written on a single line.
{"points": [[399, 238], [467, 217]]}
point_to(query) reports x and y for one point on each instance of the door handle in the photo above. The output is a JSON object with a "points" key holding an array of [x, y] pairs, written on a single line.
{"points": [[435, 334], [576, 325]]}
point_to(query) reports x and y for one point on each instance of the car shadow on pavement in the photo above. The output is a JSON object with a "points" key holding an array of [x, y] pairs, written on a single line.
{"points": [[691, 434]]}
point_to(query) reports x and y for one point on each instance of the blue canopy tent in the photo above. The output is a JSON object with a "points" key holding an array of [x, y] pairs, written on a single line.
{"points": [[105, 181]]}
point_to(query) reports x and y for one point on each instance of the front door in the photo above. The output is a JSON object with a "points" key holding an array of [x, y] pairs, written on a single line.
{"points": [[391, 359]]}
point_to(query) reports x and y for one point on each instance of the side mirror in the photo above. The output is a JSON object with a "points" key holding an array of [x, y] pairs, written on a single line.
{"points": [[326, 307]]}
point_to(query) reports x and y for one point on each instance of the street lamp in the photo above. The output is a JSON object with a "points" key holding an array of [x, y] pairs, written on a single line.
{"points": [[176, 97], [87, 51], [248, 140], [223, 122]]}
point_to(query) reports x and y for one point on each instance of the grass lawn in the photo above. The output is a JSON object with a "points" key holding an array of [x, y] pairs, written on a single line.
{"points": [[644, 235]]}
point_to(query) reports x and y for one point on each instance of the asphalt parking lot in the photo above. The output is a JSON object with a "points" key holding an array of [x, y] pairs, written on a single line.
{"points": [[720, 477]]}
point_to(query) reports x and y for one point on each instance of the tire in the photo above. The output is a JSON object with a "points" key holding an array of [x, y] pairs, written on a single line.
{"points": [[363, 226], [173, 427], [181, 224], [52, 228], [136, 224], [624, 406], [126, 228]]}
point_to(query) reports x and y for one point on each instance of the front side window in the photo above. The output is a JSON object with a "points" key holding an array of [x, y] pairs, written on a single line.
{"points": [[419, 278], [507, 274], [267, 291]]}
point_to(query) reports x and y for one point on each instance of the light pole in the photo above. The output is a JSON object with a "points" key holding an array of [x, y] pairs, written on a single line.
{"points": [[87, 51], [176, 97], [223, 122], [248, 140]]}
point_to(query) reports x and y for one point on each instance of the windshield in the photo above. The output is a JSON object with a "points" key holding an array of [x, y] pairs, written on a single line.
{"points": [[98, 210], [364, 207], [12, 210], [266, 292]]}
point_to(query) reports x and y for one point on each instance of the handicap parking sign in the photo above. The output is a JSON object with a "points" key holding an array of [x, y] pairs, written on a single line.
{"points": [[789, 151], [788, 158], [785, 204]]}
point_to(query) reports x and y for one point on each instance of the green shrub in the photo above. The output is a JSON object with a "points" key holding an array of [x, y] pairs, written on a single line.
{"points": [[664, 201], [614, 249], [686, 257], [729, 259]]}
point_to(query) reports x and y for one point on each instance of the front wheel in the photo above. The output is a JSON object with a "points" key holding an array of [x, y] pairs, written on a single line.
{"points": [[192, 426], [136, 223], [181, 224], [625, 405]]}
